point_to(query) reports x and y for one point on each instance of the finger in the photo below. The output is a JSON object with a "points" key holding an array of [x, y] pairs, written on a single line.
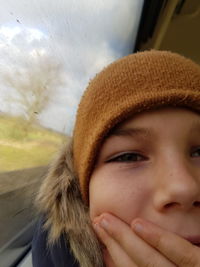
{"points": [[119, 257], [175, 248], [135, 247]]}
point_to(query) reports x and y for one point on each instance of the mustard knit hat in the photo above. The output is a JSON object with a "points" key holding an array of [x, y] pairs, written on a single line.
{"points": [[137, 82]]}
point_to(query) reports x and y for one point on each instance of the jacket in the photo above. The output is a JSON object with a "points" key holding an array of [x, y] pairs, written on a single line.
{"points": [[56, 255], [64, 234]]}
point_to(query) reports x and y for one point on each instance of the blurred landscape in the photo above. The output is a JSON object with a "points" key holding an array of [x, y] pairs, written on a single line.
{"points": [[26, 147], [25, 152], [18, 192]]}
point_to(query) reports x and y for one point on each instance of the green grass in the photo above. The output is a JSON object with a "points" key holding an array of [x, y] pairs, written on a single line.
{"points": [[20, 149], [12, 128]]}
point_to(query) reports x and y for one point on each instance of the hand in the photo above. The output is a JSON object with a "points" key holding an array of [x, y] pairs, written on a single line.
{"points": [[150, 245]]}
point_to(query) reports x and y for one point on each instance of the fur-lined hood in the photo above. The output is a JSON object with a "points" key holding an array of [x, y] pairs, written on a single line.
{"points": [[60, 200]]}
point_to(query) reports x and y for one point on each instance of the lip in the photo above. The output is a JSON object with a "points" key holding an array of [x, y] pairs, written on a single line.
{"points": [[195, 240]]}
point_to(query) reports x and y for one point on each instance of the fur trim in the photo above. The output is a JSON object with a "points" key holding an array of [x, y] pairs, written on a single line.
{"points": [[60, 200]]}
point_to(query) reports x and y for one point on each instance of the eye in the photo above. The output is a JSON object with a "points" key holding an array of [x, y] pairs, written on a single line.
{"points": [[197, 152], [127, 157]]}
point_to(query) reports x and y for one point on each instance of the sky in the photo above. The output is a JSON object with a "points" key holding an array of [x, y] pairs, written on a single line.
{"points": [[82, 36]]}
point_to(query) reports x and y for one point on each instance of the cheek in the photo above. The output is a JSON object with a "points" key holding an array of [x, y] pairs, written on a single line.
{"points": [[126, 197]]}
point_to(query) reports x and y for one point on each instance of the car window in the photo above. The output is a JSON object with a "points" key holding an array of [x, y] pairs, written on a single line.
{"points": [[49, 51]]}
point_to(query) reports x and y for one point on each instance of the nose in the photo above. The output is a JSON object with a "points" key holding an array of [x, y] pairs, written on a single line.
{"points": [[177, 186]]}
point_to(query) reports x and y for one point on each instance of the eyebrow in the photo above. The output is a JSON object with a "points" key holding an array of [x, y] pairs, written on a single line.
{"points": [[144, 133], [133, 132]]}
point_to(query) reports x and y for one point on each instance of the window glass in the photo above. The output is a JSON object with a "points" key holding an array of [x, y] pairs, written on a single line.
{"points": [[49, 50]]}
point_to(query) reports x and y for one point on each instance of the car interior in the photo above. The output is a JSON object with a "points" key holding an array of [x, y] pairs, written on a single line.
{"points": [[33, 28]]}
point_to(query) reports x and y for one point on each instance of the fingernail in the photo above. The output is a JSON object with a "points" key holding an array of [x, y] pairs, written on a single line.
{"points": [[138, 227], [104, 223]]}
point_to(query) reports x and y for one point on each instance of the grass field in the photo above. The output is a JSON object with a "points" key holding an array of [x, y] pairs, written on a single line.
{"points": [[20, 149]]}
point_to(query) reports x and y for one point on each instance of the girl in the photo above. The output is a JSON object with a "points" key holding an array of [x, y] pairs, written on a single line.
{"points": [[125, 192]]}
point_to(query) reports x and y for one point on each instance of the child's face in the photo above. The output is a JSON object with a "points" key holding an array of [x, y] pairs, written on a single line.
{"points": [[154, 174]]}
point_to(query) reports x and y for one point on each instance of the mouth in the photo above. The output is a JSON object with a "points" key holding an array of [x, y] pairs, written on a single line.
{"points": [[198, 245], [195, 240]]}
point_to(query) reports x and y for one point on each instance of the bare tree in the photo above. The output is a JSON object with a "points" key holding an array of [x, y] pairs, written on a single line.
{"points": [[35, 82]]}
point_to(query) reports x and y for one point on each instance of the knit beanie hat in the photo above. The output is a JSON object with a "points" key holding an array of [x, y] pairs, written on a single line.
{"points": [[135, 83]]}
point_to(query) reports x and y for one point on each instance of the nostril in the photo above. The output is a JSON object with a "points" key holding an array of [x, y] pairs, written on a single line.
{"points": [[170, 205], [197, 203]]}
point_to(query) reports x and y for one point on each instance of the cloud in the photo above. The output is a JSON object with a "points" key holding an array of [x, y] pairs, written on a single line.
{"points": [[84, 36]]}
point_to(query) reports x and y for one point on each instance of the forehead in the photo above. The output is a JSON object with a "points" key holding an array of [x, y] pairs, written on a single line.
{"points": [[158, 118]]}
